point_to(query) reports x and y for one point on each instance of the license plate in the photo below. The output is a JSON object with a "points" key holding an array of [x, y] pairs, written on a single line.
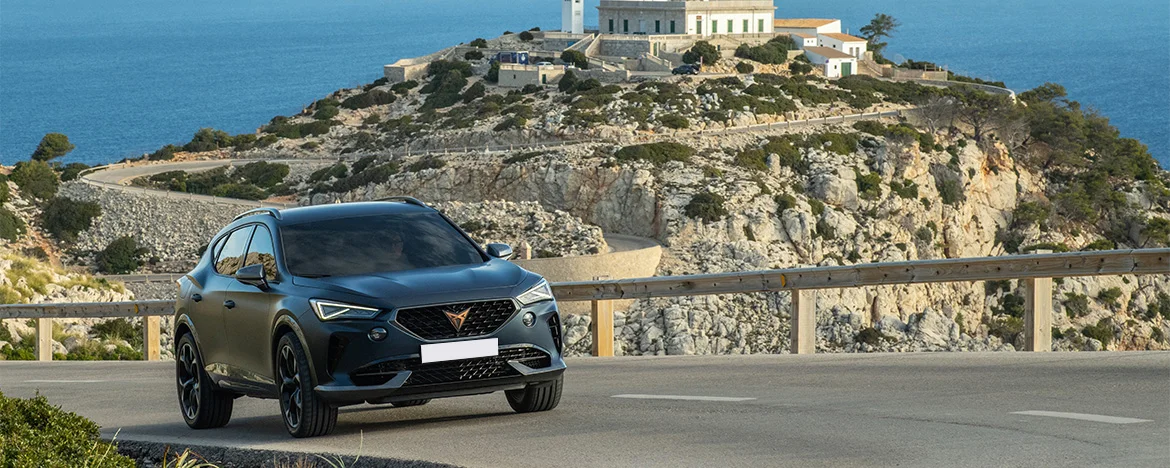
{"points": [[460, 350]]}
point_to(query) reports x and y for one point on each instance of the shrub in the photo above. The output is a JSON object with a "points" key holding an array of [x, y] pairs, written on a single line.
{"points": [[799, 68], [241, 191], [568, 82], [121, 256], [165, 153], [744, 68], [372, 119], [754, 159], [905, 189], [656, 153], [403, 87], [335, 171], [818, 208], [871, 127], [511, 123], [924, 234], [479, 42], [840, 143], [36, 179], [784, 202], [869, 336], [1029, 213], [951, 191], [575, 58], [674, 121], [772, 52], [1006, 328], [474, 92], [263, 174], [36, 433], [706, 206], [4, 194], [703, 52], [1110, 297], [64, 218], [1102, 331], [208, 139], [473, 55], [869, 186], [429, 162], [372, 175], [1100, 244], [326, 113], [52, 146], [1159, 308], [11, 227], [1076, 305], [367, 99], [525, 36], [72, 170], [443, 67]]}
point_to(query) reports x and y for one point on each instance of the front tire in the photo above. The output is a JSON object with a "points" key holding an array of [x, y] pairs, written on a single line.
{"points": [[203, 406], [304, 413], [539, 397]]}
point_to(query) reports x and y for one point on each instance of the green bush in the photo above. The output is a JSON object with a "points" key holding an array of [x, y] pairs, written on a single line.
{"points": [[64, 218], [479, 42], [71, 171], [1027, 214], [121, 256], [818, 208], [262, 173], [840, 143], [52, 146], [4, 193], [871, 127], [372, 175], [36, 433], [1159, 308], [36, 179], [1011, 305], [1102, 331], [656, 153], [525, 36], [511, 123], [784, 202], [702, 51], [1110, 297], [1100, 244], [429, 162], [799, 68], [208, 139], [1076, 305], [869, 186], [924, 234], [11, 226], [403, 87], [674, 121], [869, 336], [165, 153], [363, 100], [473, 55], [706, 206], [326, 113], [241, 191], [568, 82], [575, 58], [773, 52], [905, 189], [1006, 328], [744, 68], [950, 190], [443, 67], [753, 159], [474, 92]]}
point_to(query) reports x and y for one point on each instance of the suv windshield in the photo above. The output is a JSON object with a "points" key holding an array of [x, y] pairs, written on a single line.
{"points": [[373, 244]]}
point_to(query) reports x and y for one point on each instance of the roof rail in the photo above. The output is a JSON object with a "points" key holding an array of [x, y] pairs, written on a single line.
{"points": [[403, 199], [275, 213]]}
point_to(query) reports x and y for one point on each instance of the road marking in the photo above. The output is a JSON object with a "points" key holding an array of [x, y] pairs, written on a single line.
{"points": [[1084, 417], [679, 397], [65, 381]]}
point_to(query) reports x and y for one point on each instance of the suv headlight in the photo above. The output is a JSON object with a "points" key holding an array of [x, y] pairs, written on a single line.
{"points": [[540, 292], [331, 310]]}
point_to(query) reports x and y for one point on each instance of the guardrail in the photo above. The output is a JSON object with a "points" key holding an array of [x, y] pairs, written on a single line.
{"points": [[1037, 270]]}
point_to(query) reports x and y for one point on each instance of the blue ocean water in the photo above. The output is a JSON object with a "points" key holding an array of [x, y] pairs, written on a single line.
{"points": [[123, 77]]}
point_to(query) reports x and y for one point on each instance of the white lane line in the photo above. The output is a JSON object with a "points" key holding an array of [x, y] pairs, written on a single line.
{"points": [[1083, 417], [679, 397], [65, 381]]}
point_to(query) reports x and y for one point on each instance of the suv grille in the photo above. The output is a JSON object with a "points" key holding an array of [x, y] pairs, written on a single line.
{"points": [[452, 371], [431, 322]]}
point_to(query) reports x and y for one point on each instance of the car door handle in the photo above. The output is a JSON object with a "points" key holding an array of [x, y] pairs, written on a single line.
{"points": [[196, 297], [229, 304]]}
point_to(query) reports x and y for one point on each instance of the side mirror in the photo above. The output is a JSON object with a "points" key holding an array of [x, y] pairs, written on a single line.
{"points": [[252, 275], [500, 251]]}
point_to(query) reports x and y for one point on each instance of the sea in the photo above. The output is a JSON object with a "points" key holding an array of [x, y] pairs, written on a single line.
{"points": [[124, 77]]}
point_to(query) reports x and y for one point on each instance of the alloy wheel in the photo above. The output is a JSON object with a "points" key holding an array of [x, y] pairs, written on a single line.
{"points": [[290, 387], [189, 380]]}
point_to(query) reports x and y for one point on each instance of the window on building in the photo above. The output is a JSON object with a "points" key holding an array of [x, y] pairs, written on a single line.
{"points": [[730, 27], [611, 25], [658, 26], [745, 27], [626, 26], [761, 26], [672, 26], [699, 27], [714, 27]]}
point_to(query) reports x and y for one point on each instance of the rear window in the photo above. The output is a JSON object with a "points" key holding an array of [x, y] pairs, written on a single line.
{"points": [[375, 244]]}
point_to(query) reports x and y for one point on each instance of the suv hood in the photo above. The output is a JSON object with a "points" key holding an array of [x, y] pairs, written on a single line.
{"points": [[493, 279]]}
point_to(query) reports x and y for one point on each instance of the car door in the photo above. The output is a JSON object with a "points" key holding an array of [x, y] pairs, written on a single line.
{"points": [[213, 337], [249, 324]]}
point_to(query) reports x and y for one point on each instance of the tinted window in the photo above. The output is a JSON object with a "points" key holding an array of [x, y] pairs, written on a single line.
{"points": [[228, 259], [260, 251], [371, 244]]}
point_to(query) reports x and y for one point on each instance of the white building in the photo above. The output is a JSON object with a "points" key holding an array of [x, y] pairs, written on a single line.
{"points": [[698, 17], [514, 75], [573, 16], [811, 26], [803, 40], [832, 62], [851, 45]]}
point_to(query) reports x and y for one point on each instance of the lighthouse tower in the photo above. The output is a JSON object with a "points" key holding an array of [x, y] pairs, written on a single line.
{"points": [[573, 16]]}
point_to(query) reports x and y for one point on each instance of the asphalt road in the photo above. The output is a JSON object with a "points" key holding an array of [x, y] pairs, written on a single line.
{"points": [[823, 410]]}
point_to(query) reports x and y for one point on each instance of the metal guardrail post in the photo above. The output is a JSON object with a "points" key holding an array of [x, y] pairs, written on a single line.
{"points": [[603, 328], [1038, 313], [44, 344], [802, 333], [151, 335]]}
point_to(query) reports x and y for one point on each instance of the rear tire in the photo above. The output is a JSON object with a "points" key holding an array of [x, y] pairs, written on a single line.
{"points": [[404, 404], [538, 397], [304, 413], [202, 406]]}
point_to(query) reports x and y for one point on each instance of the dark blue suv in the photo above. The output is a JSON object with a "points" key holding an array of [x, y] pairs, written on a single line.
{"points": [[378, 302]]}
